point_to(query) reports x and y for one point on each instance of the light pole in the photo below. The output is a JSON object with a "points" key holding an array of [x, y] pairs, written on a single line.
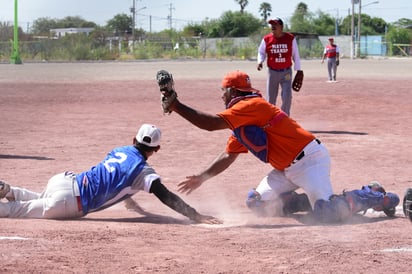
{"points": [[134, 13], [15, 56], [360, 23], [352, 27]]}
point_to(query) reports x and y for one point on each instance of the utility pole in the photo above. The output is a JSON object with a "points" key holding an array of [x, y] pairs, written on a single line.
{"points": [[337, 23], [15, 56], [352, 35], [133, 11], [170, 16], [359, 28]]}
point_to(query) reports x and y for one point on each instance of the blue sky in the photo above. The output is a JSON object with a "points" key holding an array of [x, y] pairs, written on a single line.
{"points": [[153, 15]]}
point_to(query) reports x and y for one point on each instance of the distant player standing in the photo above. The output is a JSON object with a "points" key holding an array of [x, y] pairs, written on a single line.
{"points": [[279, 49], [122, 173], [331, 52]]}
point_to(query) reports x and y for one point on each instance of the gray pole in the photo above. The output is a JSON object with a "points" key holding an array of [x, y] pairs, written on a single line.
{"points": [[359, 28], [133, 10], [352, 27]]}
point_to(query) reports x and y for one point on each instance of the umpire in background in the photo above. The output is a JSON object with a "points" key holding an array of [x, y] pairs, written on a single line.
{"points": [[280, 49]]}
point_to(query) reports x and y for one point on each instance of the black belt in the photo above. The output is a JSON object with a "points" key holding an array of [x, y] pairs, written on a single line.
{"points": [[302, 154], [284, 69]]}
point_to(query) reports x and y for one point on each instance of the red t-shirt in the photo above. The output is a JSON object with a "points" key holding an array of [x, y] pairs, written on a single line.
{"points": [[286, 138], [279, 50], [330, 51]]}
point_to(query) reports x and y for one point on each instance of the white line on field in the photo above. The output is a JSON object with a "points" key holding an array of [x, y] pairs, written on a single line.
{"points": [[13, 238], [398, 249]]}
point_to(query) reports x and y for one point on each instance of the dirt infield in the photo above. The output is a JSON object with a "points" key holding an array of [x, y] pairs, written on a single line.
{"points": [[57, 117]]}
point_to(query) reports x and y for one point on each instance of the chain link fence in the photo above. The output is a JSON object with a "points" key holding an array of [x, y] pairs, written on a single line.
{"points": [[80, 47]]}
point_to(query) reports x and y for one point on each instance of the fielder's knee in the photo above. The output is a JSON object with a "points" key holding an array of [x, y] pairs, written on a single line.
{"points": [[294, 202]]}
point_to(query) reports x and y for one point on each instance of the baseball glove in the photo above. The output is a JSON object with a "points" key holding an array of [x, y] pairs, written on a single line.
{"points": [[166, 85], [407, 204], [297, 81], [337, 63]]}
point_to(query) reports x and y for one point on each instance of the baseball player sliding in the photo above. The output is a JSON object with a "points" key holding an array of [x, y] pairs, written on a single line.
{"points": [[120, 175], [298, 158]]}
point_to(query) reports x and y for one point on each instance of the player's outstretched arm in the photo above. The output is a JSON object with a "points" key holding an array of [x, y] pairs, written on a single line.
{"points": [[170, 103], [176, 203], [221, 163], [200, 119]]}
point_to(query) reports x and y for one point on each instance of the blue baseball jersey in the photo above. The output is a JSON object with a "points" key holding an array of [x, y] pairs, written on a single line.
{"points": [[364, 198], [121, 174]]}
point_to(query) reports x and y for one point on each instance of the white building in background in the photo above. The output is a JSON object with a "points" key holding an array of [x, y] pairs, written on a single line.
{"points": [[57, 33]]}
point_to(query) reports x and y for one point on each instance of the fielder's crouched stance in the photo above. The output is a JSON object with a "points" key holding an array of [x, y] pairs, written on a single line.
{"points": [[298, 158], [338, 208]]}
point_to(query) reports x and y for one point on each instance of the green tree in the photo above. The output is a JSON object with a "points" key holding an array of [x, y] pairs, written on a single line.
{"points": [[236, 24], [243, 4], [323, 24], [120, 24], [6, 31], [403, 22], [265, 10], [42, 26], [372, 26], [397, 37], [99, 35], [74, 22], [194, 30], [301, 19]]}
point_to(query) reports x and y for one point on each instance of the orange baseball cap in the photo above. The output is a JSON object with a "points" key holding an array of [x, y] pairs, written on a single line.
{"points": [[238, 80]]}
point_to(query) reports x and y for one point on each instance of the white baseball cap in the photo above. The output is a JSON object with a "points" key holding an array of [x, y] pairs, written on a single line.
{"points": [[149, 135]]}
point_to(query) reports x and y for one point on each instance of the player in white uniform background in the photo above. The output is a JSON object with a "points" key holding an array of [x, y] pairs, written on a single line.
{"points": [[122, 173]]}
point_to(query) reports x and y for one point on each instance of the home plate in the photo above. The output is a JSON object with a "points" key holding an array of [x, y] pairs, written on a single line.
{"points": [[13, 238]]}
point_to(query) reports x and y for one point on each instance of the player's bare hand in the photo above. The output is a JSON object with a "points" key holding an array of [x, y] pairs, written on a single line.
{"points": [[190, 184], [205, 219]]}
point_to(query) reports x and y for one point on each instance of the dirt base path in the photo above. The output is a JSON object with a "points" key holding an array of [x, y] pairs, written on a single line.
{"points": [[58, 117]]}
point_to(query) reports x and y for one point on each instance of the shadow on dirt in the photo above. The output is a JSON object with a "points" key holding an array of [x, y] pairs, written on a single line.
{"points": [[338, 132], [307, 220], [27, 157], [154, 219]]}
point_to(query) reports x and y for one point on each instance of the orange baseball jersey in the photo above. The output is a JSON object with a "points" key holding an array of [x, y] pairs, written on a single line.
{"points": [[286, 138]]}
